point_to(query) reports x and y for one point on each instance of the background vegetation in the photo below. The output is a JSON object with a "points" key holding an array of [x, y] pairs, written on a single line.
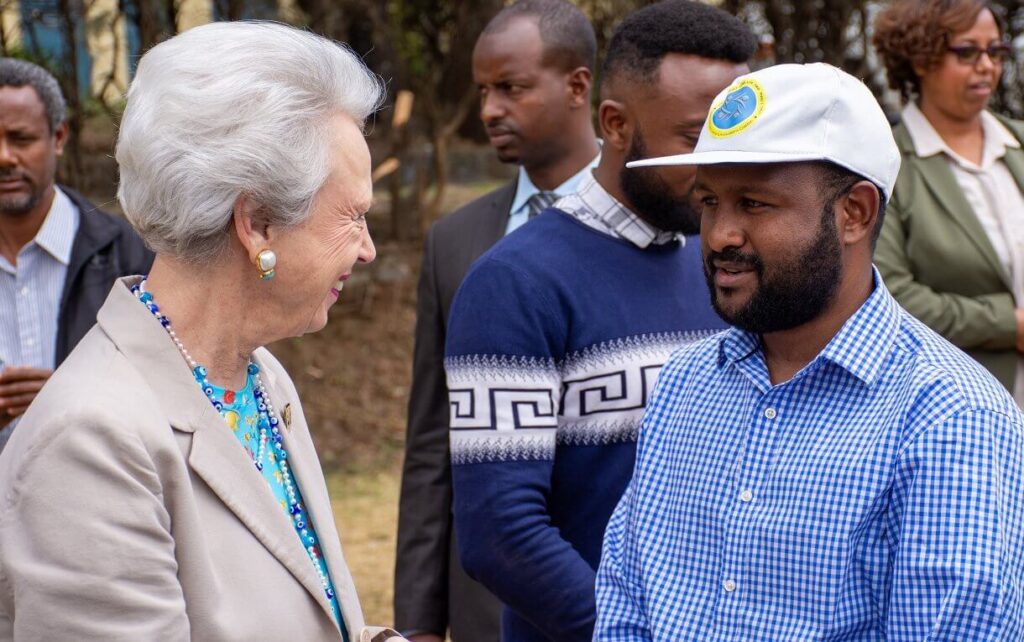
{"points": [[430, 156]]}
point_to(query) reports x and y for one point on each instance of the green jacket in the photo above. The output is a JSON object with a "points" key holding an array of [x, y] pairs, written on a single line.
{"points": [[937, 260]]}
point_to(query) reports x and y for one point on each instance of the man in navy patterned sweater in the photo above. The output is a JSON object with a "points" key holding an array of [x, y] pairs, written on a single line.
{"points": [[558, 333]]}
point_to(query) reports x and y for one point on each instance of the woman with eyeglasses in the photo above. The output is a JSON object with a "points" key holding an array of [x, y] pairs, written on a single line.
{"points": [[951, 249]]}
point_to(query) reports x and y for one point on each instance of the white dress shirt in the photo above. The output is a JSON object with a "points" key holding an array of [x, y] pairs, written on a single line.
{"points": [[31, 289]]}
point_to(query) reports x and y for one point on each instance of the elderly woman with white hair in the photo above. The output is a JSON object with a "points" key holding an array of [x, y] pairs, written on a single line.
{"points": [[164, 486]]}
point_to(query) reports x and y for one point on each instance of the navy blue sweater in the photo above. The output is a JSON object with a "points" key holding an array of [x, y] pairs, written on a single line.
{"points": [[554, 344]]}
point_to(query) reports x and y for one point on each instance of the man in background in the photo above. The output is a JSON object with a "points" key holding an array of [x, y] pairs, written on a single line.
{"points": [[533, 65], [558, 333], [59, 254]]}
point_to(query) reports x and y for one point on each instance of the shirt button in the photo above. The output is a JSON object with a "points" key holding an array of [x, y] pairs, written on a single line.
{"points": [[23, 291], [30, 342], [729, 586], [746, 495], [770, 413]]}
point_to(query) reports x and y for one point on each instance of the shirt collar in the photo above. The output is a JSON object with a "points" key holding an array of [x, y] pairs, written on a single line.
{"points": [[928, 142], [616, 217], [57, 234], [525, 187], [860, 347]]}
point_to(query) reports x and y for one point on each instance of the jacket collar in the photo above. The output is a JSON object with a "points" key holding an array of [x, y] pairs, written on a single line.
{"points": [[940, 181], [95, 230], [928, 142], [216, 456]]}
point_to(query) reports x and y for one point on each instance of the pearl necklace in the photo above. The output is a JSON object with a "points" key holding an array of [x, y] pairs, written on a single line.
{"points": [[267, 420]]}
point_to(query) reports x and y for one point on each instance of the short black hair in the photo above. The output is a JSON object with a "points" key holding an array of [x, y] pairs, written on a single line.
{"points": [[569, 40], [647, 35], [836, 181], [21, 73]]}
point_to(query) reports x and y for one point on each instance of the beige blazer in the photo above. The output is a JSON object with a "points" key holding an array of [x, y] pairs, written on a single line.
{"points": [[128, 510]]}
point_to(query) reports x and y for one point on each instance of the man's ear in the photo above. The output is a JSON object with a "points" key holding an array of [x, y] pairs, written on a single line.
{"points": [[251, 232], [60, 138], [616, 126], [581, 81], [859, 209]]}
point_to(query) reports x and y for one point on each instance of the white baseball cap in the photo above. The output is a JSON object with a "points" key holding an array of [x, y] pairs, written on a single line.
{"points": [[790, 113]]}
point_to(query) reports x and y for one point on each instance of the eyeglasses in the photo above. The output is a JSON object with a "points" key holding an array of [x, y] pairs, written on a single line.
{"points": [[971, 54]]}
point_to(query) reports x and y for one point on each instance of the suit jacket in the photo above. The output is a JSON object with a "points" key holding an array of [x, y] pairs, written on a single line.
{"points": [[130, 512], [432, 592], [105, 248], [937, 261]]}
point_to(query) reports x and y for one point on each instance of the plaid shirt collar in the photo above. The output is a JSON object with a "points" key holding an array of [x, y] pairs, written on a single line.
{"points": [[860, 347], [596, 208], [525, 187]]}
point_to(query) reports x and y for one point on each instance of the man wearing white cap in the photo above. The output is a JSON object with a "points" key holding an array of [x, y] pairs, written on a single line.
{"points": [[829, 469]]}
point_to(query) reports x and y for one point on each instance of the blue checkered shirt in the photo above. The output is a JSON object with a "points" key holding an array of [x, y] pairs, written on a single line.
{"points": [[877, 495]]}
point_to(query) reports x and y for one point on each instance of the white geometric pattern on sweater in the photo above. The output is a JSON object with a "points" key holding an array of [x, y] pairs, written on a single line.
{"points": [[517, 408]]}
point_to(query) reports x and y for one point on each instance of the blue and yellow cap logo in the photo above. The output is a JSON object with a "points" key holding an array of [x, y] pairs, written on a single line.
{"points": [[741, 107]]}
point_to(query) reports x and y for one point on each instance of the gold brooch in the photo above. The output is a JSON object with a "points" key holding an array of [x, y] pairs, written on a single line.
{"points": [[287, 416]]}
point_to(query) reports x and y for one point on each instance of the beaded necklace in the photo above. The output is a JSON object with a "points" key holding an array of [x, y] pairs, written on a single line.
{"points": [[268, 432]]}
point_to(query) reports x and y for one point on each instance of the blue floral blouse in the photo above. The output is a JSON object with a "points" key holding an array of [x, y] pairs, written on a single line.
{"points": [[241, 412]]}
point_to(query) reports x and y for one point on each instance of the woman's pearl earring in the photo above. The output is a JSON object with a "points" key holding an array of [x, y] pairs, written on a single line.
{"points": [[266, 261]]}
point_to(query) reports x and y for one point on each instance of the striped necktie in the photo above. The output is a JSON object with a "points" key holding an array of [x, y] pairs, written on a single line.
{"points": [[538, 202]]}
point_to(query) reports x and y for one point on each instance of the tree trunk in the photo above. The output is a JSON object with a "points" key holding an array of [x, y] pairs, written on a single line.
{"points": [[149, 23], [440, 136], [399, 217], [170, 26], [439, 161], [69, 18]]}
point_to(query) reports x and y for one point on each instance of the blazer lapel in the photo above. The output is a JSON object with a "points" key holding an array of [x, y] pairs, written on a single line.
{"points": [[497, 216], [939, 179], [305, 467], [219, 460], [215, 455], [1014, 160]]}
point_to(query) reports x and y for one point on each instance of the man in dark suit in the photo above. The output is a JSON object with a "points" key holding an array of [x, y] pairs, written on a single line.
{"points": [[59, 254], [533, 64]]}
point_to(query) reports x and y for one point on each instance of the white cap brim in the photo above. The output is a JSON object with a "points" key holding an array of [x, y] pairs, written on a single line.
{"points": [[722, 157]]}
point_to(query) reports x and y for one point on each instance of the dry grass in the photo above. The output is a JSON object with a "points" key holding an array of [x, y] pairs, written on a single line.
{"points": [[366, 511]]}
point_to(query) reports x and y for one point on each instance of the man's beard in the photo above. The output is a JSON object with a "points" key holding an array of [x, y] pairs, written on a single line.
{"points": [[652, 197], [795, 292], [19, 204]]}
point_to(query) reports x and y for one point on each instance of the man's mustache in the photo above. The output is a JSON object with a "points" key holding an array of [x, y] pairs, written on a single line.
{"points": [[734, 256], [8, 174]]}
